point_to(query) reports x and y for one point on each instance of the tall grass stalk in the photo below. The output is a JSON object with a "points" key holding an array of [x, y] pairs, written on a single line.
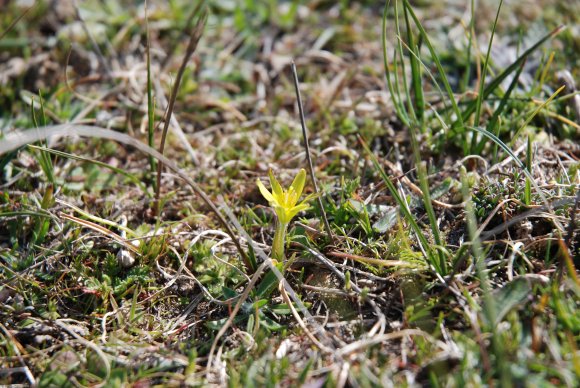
{"points": [[42, 158], [493, 124]]}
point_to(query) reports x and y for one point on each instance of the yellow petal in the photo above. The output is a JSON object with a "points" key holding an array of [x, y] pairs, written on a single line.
{"points": [[265, 192], [295, 210], [298, 183], [292, 197], [276, 188]]}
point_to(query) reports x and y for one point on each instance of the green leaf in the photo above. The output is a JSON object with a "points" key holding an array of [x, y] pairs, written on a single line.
{"points": [[229, 293], [510, 296], [387, 220], [284, 309], [259, 304]]}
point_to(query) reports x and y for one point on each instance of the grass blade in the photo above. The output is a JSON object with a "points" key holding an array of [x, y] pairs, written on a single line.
{"points": [[392, 84], [493, 123], [534, 113], [416, 79], [116, 170], [504, 74], [480, 99], [150, 104]]}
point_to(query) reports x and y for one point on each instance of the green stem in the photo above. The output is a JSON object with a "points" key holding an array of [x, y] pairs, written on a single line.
{"points": [[279, 241]]}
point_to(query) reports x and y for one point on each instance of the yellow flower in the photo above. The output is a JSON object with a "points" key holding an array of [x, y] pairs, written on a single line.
{"points": [[283, 201]]}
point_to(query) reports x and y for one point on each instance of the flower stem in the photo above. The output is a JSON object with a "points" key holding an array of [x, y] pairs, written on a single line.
{"points": [[279, 241]]}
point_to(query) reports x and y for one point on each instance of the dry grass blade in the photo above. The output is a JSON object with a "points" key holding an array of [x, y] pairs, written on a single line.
{"points": [[102, 230], [371, 260], [15, 21], [301, 323]]}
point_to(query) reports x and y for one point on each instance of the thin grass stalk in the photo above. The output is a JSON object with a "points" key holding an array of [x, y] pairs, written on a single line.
{"points": [[479, 101], [307, 150], [116, 170], [150, 107], [496, 82], [469, 46], [425, 68], [409, 101], [545, 70], [401, 202], [43, 159], [46, 160], [191, 47], [424, 184], [16, 20], [528, 188], [493, 124]]}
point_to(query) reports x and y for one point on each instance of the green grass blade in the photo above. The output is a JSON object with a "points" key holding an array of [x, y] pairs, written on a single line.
{"points": [[504, 74], [424, 184], [416, 79], [534, 114], [393, 89], [480, 99], [408, 100], [493, 123], [469, 46], [528, 188], [43, 160], [150, 104]]}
